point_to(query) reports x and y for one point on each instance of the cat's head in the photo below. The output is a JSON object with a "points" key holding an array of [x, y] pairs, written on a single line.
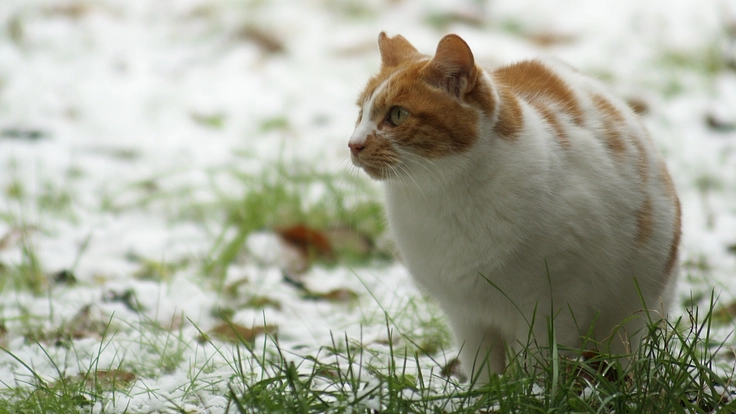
{"points": [[417, 108]]}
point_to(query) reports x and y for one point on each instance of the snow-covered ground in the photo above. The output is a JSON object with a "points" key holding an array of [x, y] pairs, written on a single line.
{"points": [[117, 116]]}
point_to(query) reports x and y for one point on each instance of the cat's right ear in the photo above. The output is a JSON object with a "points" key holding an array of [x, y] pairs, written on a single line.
{"points": [[395, 50], [453, 66]]}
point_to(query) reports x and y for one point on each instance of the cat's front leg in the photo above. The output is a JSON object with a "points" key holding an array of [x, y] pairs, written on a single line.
{"points": [[482, 348]]}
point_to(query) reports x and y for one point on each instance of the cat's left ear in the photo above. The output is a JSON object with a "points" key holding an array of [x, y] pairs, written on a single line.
{"points": [[453, 66], [395, 50]]}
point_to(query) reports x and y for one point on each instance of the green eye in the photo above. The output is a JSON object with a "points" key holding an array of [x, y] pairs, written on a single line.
{"points": [[397, 115]]}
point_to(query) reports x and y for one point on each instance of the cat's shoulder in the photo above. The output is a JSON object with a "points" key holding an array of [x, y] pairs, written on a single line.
{"points": [[548, 73]]}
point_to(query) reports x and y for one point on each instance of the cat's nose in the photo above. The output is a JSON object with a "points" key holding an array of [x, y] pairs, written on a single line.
{"points": [[355, 148]]}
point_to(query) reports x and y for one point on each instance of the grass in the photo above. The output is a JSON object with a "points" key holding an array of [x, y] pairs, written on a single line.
{"points": [[285, 195], [675, 370], [679, 368]]}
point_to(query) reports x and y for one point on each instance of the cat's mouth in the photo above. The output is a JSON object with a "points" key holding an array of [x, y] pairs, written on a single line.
{"points": [[376, 172]]}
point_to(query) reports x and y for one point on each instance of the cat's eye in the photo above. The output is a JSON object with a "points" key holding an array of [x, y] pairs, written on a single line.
{"points": [[397, 115]]}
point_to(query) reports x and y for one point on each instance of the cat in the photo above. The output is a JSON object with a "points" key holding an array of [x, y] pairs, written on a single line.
{"points": [[519, 197]]}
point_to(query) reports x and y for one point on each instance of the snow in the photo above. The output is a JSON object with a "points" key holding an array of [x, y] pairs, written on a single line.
{"points": [[115, 92]]}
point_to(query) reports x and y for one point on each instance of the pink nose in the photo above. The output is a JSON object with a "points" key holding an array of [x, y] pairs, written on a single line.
{"points": [[356, 148]]}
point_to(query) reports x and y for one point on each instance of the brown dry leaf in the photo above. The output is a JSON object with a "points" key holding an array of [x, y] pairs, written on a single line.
{"points": [[452, 369], [328, 373], [3, 332], [233, 288], [311, 243], [725, 314], [231, 332], [71, 10], [264, 39], [260, 302], [335, 295], [547, 39], [639, 105], [115, 376], [599, 364], [86, 324]]}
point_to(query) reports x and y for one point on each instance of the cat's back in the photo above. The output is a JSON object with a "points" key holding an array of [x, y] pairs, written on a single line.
{"points": [[608, 184], [570, 102]]}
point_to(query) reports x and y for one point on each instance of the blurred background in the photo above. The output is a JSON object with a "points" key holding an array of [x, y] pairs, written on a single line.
{"points": [[176, 148]]}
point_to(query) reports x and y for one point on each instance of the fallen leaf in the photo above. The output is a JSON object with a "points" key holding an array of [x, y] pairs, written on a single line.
{"points": [[64, 277], [725, 314], [115, 376], [452, 369], [153, 270], [72, 11], [310, 242], [260, 302], [547, 39], [295, 281], [233, 289], [335, 295], [231, 332], [719, 123], [85, 324], [638, 105], [3, 332], [265, 40], [601, 365], [127, 298]]}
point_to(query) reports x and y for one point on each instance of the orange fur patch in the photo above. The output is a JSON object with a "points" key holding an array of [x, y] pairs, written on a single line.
{"points": [[642, 162], [481, 97], [551, 119], [644, 222], [532, 81], [669, 185], [675, 244], [510, 119], [669, 188], [644, 215], [611, 118]]}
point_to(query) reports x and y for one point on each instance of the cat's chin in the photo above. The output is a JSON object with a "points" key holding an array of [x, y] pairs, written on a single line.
{"points": [[378, 174]]}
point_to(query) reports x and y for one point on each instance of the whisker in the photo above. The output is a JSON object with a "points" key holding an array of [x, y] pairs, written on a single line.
{"points": [[411, 157], [416, 184]]}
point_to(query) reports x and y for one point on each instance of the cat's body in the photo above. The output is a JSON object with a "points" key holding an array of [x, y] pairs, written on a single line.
{"points": [[517, 196]]}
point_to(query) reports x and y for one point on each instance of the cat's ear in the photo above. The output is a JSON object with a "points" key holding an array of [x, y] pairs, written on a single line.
{"points": [[395, 50], [453, 66]]}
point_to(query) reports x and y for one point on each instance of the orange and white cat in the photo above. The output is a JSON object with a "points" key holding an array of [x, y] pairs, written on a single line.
{"points": [[519, 196]]}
